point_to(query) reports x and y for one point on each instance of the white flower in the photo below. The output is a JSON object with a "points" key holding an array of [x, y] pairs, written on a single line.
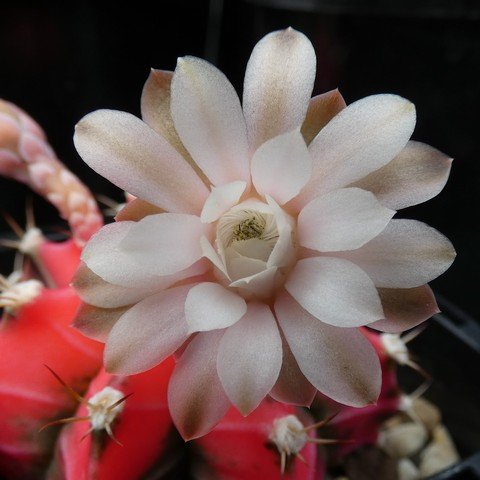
{"points": [[252, 249]]}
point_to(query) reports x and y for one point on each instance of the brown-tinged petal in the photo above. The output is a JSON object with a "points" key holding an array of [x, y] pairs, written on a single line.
{"points": [[136, 210], [340, 362], [417, 174], [147, 333], [95, 291], [134, 157], [405, 308], [155, 105], [250, 357], [278, 85], [292, 387], [321, 110], [406, 254], [208, 117], [363, 137], [196, 398], [95, 322]]}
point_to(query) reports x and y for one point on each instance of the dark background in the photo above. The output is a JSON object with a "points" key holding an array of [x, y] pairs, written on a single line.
{"points": [[61, 62]]}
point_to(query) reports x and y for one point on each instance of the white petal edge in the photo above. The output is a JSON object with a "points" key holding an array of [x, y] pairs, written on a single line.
{"points": [[209, 306], [283, 253], [211, 254], [343, 219], [340, 362], [131, 155], [208, 117], [250, 357], [261, 284], [335, 291], [221, 199], [148, 333], [105, 257], [282, 166], [166, 243]]}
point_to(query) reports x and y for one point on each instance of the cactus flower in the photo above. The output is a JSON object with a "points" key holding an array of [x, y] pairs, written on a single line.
{"points": [[263, 250]]}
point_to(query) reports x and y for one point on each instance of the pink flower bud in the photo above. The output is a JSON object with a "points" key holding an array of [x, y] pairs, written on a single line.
{"points": [[26, 156]]}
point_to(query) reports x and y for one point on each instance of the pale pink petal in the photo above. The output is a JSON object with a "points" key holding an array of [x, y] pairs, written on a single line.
{"points": [[283, 253], [278, 85], [222, 199], [340, 362], [130, 154], [147, 333], [406, 254], [292, 387], [95, 322], [282, 166], [405, 308], [335, 291], [95, 291], [196, 399], [104, 256], [250, 357], [208, 117], [261, 284], [417, 174], [209, 306], [343, 219], [166, 243], [211, 254], [321, 110], [363, 137]]}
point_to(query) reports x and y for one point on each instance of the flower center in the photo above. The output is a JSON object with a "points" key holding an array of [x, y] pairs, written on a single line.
{"points": [[252, 227]]}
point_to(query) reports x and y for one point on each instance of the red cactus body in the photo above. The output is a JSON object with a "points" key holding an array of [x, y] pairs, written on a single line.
{"points": [[61, 260], [144, 427], [239, 447], [29, 395]]}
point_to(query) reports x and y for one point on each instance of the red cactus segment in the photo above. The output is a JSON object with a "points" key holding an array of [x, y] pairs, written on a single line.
{"points": [[239, 447], [143, 427], [60, 260], [29, 395]]}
